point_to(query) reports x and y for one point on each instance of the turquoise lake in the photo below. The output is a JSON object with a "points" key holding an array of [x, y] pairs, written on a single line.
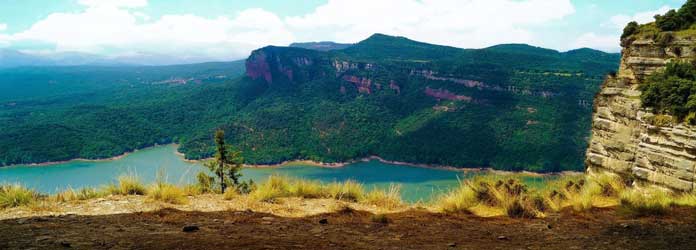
{"points": [[416, 183]]}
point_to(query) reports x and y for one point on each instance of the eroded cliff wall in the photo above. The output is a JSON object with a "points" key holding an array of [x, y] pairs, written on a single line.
{"points": [[624, 139]]}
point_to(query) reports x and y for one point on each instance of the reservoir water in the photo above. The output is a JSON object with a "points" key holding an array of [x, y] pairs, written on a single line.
{"points": [[416, 183]]}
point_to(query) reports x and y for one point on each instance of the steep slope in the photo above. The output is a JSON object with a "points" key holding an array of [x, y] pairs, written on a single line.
{"points": [[625, 137], [510, 106]]}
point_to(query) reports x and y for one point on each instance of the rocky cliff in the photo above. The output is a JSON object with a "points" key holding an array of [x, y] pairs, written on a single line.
{"points": [[625, 140]]}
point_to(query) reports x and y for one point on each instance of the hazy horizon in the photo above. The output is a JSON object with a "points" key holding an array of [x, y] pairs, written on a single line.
{"points": [[186, 31]]}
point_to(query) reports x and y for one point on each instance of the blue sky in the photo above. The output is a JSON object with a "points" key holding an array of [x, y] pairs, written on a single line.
{"points": [[229, 29]]}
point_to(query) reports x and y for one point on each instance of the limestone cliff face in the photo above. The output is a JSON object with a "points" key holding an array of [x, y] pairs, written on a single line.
{"points": [[624, 140]]}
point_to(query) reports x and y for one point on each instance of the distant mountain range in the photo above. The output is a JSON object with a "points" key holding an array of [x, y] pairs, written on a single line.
{"points": [[12, 58]]}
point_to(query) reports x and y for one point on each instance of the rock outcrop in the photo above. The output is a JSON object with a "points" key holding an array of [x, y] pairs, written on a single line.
{"points": [[624, 140]]}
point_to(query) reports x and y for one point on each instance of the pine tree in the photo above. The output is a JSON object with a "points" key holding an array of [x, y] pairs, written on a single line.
{"points": [[227, 163]]}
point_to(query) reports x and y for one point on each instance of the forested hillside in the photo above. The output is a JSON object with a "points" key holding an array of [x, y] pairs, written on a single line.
{"points": [[60, 113], [509, 106]]}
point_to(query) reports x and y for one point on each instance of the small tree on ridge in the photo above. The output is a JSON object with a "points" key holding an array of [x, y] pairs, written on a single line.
{"points": [[226, 164]]}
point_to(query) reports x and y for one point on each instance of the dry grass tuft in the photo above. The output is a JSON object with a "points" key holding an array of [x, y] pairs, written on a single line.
{"points": [[648, 202], [461, 199], [168, 193], [230, 194], [78, 195], [306, 189], [127, 185], [274, 187], [387, 199], [16, 195], [346, 191]]}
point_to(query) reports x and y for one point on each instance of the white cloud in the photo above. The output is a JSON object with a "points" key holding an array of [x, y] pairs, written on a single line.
{"points": [[620, 21], [118, 27], [471, 23], [114, 3], [3, 26], [601, 42], [111, 28]]}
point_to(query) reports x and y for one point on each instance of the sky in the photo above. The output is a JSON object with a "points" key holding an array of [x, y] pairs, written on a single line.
{"points": [[231, 29]]}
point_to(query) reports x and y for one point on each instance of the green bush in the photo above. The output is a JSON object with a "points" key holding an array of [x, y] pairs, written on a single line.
{"points": [[672, 91], [630, 29], [680, 19]]}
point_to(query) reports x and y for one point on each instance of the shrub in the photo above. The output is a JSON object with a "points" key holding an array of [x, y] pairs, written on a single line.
{"points": [[167, 193], [16, 195], [205, 183], [389, 199], [608, 185], [675, 20], [661, 121], [672, 91], [691, 117], [509, 195], [630, 29]]}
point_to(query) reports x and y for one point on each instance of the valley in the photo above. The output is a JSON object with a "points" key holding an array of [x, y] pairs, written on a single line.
{"points": [[509, 107]]}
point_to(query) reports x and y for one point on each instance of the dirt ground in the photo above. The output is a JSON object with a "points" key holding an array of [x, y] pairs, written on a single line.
{"points": [[413, 229]]}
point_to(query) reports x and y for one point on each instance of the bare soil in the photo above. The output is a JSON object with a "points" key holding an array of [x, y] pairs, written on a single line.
{"points": [[348, 229]]}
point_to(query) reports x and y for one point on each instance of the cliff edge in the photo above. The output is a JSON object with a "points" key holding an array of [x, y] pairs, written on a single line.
{"points": [[625, 140]]}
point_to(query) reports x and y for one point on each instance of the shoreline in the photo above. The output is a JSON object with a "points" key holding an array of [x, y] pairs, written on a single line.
{"points": [[113, 158], [408, 164], [334, 165]]}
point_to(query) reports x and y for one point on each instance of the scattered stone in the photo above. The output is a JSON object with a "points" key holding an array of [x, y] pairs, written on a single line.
{"points": [[43, 238], [624, 225], [452, 244], [40, 219], [267, 218], [316, 231], [324, 221], [21, 221], [503, 237], [190, 228], [216, 220], [549, 226], [65, 244]]}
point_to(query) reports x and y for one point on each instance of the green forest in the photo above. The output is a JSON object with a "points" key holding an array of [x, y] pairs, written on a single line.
{"points": [[672, 91], [512, 107]]}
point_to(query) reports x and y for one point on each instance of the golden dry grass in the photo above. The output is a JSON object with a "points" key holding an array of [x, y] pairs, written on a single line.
{"points": [[168, 193], [16, 195]]}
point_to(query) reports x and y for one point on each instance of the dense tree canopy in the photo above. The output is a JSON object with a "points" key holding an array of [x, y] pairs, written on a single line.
{"points": [[672, 91], [680, 19]]}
